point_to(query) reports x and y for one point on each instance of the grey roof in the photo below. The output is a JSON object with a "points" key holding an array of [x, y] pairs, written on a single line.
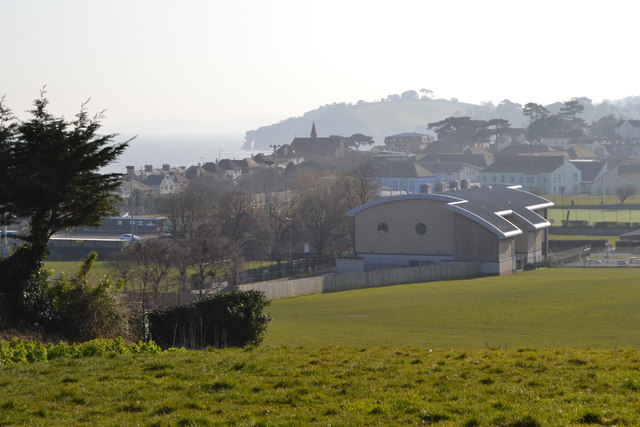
{"points": [[492, 207], [407, 135], [480, 159], [445, 167], [154, 180], [530, 165], [589, 168], [514, 149], [403, 169]]}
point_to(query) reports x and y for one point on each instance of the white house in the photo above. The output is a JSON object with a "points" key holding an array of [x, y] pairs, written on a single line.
{"points": [[537, 174]]}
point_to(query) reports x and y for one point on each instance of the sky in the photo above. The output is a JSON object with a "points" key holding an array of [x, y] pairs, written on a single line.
{"points": [[240, 64]]}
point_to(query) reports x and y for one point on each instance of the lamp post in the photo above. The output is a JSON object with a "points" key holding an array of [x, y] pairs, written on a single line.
{"points": [[269, 163]]}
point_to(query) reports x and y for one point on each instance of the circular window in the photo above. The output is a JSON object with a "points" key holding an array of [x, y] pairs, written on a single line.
{"points": [[383, 228], [421, 228]]}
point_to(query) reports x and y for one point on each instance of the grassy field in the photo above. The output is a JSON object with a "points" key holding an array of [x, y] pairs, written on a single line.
{"points": [[611, 239], [597, 308], [594, 215], [326, 385], [587, 199], [546, 347]]}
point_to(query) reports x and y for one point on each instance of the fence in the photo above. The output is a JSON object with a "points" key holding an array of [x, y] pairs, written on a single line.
{"points": [[281, 289]]}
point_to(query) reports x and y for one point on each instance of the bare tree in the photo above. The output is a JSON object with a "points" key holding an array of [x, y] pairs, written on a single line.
{"points": [[210, 254], [624, 191], [319, 212], [124, 264], [244, 223], [154, 258], [185, 210]]}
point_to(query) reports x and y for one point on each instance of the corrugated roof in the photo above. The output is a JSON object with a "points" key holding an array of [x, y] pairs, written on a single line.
{"points": [[492, 207]]}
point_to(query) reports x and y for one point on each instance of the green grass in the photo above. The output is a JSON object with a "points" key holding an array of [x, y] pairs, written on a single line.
{"points": [[556, 216], [546, 347], [323, 385], [611, 239], [71, 267], [598, 308], [587, 199]]}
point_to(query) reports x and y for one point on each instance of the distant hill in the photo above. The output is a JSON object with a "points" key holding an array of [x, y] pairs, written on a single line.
{"points": [[410, 113]]}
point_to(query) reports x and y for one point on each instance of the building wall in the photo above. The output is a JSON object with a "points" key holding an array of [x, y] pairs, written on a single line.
{"points": [[472, 241], [401, 217]]}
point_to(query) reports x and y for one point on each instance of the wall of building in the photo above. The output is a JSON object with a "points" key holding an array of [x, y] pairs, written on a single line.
{"points": [[472, 241], [401, 218]]}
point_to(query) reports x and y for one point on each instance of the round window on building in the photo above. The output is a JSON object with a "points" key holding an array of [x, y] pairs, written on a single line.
{"points": [[383, 228], [421, 228]]}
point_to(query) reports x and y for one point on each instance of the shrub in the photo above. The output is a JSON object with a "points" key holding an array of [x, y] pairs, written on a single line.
{"points": [[233, 319], [81, 309]]}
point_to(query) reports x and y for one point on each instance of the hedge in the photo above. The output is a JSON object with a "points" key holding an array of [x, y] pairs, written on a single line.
{"points": [[233, 319]]}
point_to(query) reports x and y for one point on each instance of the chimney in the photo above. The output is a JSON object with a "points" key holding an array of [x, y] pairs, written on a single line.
{"points": [[148, 168], [166, 167]]}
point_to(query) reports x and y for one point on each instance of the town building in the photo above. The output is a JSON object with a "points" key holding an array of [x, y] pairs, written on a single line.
{"points": [[315, 147], [500, 227], [537, 174], [409, 142]]}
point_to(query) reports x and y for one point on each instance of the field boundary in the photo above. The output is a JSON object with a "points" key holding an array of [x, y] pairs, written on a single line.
{"points": [[282, 289]]}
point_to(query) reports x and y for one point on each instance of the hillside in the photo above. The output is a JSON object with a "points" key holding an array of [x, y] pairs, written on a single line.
{"points": [[410, 113]]}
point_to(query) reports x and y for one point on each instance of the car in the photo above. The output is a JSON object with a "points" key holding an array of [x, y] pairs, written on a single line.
{"points": [[129, 237]]}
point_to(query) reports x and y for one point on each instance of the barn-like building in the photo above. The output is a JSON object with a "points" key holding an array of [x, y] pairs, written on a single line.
{"points": [[502, 227]]}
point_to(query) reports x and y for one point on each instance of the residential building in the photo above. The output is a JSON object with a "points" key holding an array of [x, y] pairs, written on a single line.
{"points": [[404, 177], [628, 130], [615, 178], [537, 174], [408, 142]]}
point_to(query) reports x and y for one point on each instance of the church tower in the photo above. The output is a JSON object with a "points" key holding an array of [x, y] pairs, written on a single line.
{"points": [[314, 134]]}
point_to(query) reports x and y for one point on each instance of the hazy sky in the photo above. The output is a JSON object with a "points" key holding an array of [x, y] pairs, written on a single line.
{"points": [[266, 60]]}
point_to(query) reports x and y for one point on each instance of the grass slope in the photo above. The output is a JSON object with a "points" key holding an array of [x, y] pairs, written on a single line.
{"points": [[597, 308], [317, 385]]}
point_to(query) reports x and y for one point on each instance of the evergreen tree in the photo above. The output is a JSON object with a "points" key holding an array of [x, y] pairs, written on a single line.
{"points": [[50, 177]]}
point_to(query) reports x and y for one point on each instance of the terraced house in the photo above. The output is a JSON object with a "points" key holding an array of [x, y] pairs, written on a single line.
{"points": [[537, 174]]}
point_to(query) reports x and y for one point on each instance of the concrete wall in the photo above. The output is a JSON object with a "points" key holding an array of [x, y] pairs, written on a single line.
{"points": [[281, 289]]}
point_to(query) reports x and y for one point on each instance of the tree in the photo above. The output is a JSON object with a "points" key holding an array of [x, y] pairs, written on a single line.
{"points": [[570, 111], [624, 191], [50, 176], [243, 223], [457, 132], [319, 212], [493, 131], [154, 257], [535, 112], [358, 139], [210, 254]]}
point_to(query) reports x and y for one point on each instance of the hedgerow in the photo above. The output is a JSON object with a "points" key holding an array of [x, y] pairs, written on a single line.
{"points": [[18, 351]]}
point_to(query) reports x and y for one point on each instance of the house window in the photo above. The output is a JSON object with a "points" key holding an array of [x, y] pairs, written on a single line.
{"points": [[484, 178], [494, 178], [421, 229], [575, 176], [521, 179], [383, 228], [501, 178], [512, 178]]}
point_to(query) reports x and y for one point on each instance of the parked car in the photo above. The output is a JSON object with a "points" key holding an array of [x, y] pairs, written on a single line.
{"points": [[129, 237]]}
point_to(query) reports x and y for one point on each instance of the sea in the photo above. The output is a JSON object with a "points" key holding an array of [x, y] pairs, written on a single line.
{"points": [[178, 150]]}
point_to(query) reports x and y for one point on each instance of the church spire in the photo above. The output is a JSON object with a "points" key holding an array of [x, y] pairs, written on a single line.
{"points": [[314, 134]]}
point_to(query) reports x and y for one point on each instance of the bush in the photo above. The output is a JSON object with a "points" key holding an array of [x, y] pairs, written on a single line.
{"points": [[233, 319]]}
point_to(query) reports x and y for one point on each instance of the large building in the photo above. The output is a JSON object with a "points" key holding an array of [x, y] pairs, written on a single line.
{"points": [[500, 227]]}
